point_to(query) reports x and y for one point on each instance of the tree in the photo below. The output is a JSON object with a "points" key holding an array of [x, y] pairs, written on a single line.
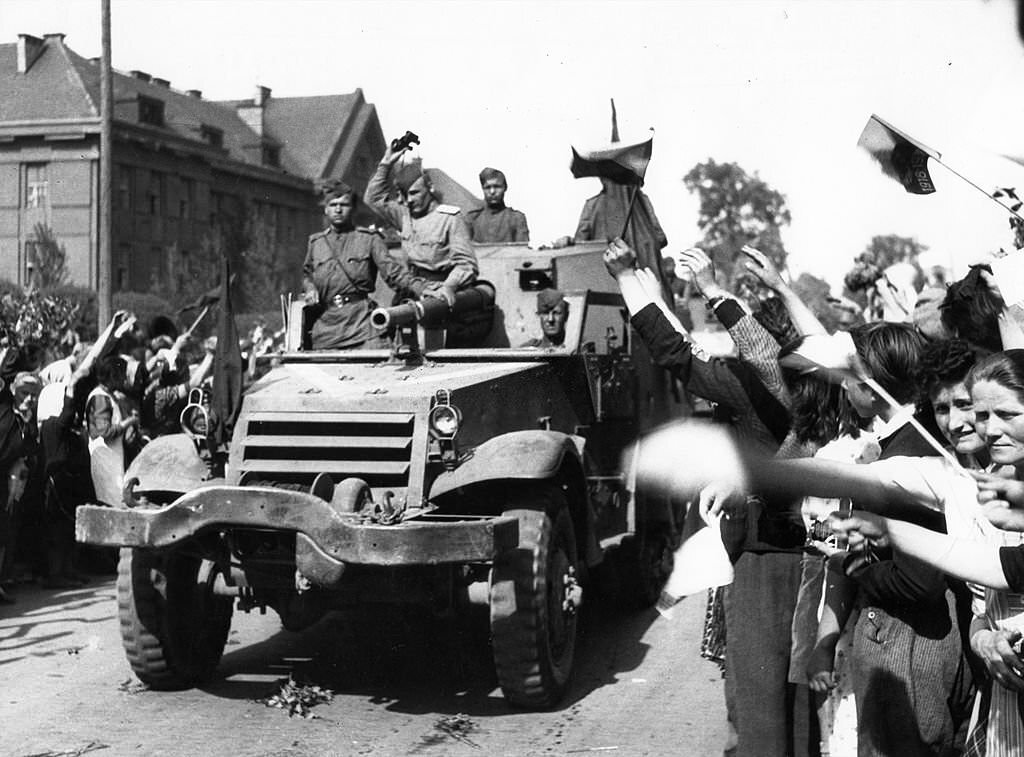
{"points": [[882, 251], [736, 209], [50, 258], [815, 293]]}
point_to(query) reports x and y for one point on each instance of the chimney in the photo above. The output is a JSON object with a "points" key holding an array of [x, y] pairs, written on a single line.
{"points": [[161, 82], [140, 75], [252, 114], [196, 93], [56, 37], [29, 48]]}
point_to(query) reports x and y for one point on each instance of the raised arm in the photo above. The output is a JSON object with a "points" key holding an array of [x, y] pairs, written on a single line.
{"points": [[378, 190], [804, 320], [755, 346]]}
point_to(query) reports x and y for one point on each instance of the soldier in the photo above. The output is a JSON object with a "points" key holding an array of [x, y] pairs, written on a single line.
{"points": [[553, 311], [496, 222], [340, 273], [434, 236]]}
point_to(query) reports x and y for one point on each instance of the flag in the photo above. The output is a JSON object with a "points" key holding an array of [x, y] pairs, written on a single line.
{"points": [[623, 164], [901, 157], [227, 364], [206, 299]]}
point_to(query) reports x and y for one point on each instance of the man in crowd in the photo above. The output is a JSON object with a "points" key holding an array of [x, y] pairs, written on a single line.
{"points": [[340, 274], [553, 310], [434, 236], [496, 222]]}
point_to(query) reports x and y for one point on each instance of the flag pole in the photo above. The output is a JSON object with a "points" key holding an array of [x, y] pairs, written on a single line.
{"points": [[629, 210], [1007, 208]]}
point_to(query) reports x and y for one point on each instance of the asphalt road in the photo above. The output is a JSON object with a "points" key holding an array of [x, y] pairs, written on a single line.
{"points": [[640, 688]]}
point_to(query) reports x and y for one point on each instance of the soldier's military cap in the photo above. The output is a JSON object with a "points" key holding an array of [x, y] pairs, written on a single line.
{"points": [[492, 173], [335, 189], [549, 299]]}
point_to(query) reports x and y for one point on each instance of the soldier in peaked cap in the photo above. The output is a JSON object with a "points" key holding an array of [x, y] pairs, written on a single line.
{"points": [[496, 222], [340, 274], [434, 235], [553, 311]]}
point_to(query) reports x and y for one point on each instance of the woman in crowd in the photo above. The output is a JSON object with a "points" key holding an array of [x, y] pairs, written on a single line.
{"points": [[989, 557]]}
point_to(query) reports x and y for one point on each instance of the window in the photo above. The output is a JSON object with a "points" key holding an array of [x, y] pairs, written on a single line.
{"points": [[212, 135], [157, 266], [37, 185], [156, 193], [187, 200], [31, 260], [271, 156], [151, 111], [124, 188]]}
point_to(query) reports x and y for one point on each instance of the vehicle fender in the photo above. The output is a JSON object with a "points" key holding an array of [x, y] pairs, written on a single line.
{"points": [[168, 463], [526, 455]]}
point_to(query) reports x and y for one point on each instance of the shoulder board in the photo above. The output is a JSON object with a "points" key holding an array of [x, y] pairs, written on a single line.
{"points": [[451, 210], [317, 235], [370, 230]]}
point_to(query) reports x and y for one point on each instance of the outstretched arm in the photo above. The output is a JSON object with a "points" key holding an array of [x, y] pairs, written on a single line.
{"points": [[804, 320], [973, 561]]}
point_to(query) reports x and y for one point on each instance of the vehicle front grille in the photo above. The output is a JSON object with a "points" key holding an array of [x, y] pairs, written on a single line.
{"points": [[296, 447]]}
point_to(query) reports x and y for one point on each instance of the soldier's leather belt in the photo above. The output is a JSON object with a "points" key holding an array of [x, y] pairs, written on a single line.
{"points": [[344, 299]]}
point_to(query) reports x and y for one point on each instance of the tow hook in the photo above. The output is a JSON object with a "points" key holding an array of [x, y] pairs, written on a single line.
{"points": [[573, 592]]}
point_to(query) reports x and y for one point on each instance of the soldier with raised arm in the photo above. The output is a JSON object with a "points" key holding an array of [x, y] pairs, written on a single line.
{"points": [[434, 236]]}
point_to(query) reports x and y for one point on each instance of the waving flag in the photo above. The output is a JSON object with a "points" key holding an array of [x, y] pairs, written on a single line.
{"points": [[901, 157], [623, 164]]}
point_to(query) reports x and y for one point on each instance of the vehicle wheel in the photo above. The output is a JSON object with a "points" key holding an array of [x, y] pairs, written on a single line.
{"points": [[534, 604], [646, 567], [173, 626]]}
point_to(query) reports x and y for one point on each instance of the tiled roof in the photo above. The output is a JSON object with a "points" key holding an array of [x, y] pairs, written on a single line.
{"points": [[183, 114], [60, 84], [308, 128], [50, 89]]}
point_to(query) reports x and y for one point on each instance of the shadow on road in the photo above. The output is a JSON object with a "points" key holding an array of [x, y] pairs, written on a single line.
{"points": [[23, 624], [414, 664]]}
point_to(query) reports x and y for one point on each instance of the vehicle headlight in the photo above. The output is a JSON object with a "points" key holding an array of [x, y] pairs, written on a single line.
{"points": [[444, 421]]}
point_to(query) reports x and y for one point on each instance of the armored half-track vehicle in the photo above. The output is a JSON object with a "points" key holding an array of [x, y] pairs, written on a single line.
{"points": [[449, 477]]}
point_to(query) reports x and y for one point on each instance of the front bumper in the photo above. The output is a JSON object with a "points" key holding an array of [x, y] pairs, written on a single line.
{"points": [[425, 540]]}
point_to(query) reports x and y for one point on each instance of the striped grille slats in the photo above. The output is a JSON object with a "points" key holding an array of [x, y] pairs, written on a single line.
{"points": [[295, 447]]}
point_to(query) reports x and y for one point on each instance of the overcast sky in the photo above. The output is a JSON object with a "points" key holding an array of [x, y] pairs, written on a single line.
{"points": [[782, 88]]}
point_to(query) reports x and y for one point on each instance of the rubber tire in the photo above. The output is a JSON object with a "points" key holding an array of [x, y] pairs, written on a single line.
{"points": [[533, 656], [173, 628], [646, 568]]}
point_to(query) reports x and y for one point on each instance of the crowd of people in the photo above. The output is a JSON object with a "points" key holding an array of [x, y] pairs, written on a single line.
{"points": [[901, 636], [70, 427]]}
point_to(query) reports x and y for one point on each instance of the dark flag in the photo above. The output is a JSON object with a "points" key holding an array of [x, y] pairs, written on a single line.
{"points": [[227, 366], [901, 157], [623, 164], [206, 299]]}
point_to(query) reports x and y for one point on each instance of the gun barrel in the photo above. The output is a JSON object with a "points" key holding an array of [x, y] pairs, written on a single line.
{"points": [[397, 315], [433, 312]]}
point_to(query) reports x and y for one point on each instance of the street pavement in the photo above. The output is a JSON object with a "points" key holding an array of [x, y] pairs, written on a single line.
{"points": [[640, 688]]}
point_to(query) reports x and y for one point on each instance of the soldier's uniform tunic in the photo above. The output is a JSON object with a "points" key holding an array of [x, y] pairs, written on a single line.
{"points": [[436, 245], [342, 267], [487, 226]]}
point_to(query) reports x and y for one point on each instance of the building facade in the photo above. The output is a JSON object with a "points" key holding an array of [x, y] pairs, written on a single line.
{"points": [[185, 168]]}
